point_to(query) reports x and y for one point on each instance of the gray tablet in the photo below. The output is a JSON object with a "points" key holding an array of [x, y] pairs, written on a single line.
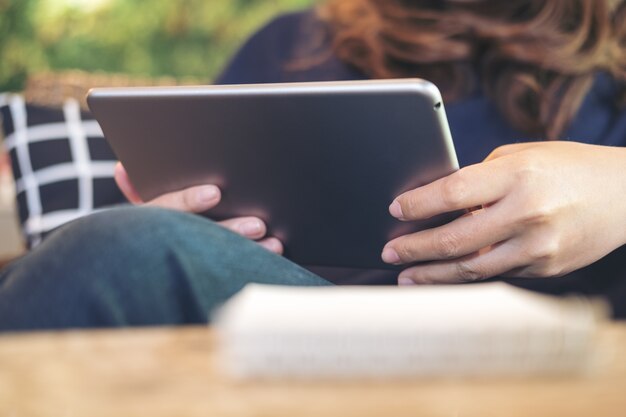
{"points": [[319, 162]]}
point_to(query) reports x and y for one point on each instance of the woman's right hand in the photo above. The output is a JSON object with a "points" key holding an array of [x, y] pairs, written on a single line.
{"points": [[197, 200]]}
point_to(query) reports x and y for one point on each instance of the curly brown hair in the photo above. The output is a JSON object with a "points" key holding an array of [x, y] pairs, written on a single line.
{"points": [[536, 59]]}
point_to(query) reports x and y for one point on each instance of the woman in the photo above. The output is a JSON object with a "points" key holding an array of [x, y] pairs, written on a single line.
{"points": [[548, 70]]}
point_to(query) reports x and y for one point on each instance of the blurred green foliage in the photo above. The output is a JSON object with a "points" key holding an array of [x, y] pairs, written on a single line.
{"points": [[139, 37]]}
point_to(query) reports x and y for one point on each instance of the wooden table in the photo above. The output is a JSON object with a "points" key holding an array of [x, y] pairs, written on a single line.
{"points": [[171, 372]]}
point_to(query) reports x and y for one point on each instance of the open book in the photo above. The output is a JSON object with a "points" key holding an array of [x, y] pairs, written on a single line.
{"points": [[374, 332]]}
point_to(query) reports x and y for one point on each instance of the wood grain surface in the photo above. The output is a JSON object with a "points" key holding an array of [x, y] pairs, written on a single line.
{"points": [[173, 372]]}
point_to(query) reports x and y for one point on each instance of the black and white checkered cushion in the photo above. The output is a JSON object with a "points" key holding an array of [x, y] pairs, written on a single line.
{"points": [[63, 167]]}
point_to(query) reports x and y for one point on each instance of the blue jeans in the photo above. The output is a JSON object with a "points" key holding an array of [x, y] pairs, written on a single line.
{"points": [[135, 266], [148, 266]]}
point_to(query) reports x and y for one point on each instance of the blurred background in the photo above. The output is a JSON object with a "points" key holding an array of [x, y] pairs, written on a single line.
{"points": [[180, 38]]}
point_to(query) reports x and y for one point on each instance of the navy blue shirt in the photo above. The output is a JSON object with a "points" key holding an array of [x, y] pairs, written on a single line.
{"points": [[477, 129]]}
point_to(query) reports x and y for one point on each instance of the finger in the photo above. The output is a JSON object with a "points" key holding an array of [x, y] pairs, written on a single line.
{"points": [[194, 199], [517, 273], [487, 263], [124, 184], [250, 227], [475, 185], [461, 237], [273, 245]]}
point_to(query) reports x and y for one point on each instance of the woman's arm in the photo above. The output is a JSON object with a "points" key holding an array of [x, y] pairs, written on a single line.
{"points": [[548, 208]]}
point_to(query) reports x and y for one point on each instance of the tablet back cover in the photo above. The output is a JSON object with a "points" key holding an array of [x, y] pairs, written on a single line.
{"points": [[319, 162]]}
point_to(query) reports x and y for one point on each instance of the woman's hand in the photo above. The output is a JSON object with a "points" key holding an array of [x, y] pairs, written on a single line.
{"points": [[548, 209], [197, 200]]}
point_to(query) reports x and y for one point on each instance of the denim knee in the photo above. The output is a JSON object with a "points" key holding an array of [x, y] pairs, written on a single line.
{"points": [[108, 269], [135, 266]]}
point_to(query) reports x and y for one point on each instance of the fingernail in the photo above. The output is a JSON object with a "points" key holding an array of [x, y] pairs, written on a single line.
{"points": [[207, 194], [390, 256], [396, 209], [251, 227], [405, 282], [272, 245]]}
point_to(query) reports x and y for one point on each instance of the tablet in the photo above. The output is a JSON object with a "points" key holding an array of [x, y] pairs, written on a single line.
{"points": [[318, 162]]}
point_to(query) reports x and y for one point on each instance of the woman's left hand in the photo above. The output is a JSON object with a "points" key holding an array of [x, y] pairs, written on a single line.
{"points": [[548, 208]]}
